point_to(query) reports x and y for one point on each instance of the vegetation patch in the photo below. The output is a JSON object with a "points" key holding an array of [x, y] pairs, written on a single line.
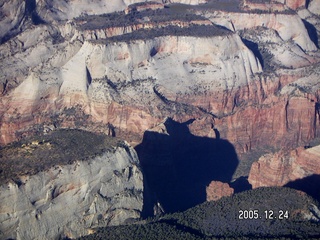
{"points": [[221, 219], [194, 25], [59, 147], [120, 19]]}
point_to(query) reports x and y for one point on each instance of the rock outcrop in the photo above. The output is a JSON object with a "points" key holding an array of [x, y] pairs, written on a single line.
{"points": [[314, 7], [12, 14], [283, 167], [69, 199], [275, 5], [190, 87], [255, 84], [103, 80], [295, 4], [119, 85], [288, 26], [122, 74], [217, 190], [269, 6]]}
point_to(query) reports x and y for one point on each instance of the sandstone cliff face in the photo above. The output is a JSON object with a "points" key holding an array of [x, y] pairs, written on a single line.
{"points": [[104, 80], [70, 200], [283, 167], [314, 7], [12, 13], [57, 78], [225, 92], [123, 86], [217, 190], [288, 26], [116, 31], [295, 4], [283, 121], [64, 10]]}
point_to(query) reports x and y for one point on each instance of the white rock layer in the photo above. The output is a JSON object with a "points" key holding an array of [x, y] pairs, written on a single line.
{"points": [[287, 26], [69, 200]]}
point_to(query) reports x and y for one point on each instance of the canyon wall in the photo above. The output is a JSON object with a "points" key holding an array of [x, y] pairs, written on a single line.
{"points": [[191, 96], [12, 13], [115, 83], [314, 7], [273, 5], [217, 190], [219, 81], [122, 87], [284, 167], [295, 4], [70, 200], [288, 26]]}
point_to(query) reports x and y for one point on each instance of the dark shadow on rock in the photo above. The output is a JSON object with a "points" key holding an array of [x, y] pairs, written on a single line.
{"points": [[312, 31], [31, 6], [178, 166], [153, 52], [89, 78], [307, 3], [29, 13], [216, 131], [309, 185], [31, 10], [255, 49], [241, 184]]}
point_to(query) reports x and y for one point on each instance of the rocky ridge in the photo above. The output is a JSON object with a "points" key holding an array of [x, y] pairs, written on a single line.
{"points": [[284, 167], [233, 78], [69, 199], [224, 218], [217, 190], [146, 62], [288, 26], [213, 87]]}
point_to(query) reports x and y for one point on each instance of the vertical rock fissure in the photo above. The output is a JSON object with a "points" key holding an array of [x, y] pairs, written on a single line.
{"points": [[286, 115]]}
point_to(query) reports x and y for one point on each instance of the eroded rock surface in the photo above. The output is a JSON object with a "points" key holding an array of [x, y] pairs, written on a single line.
{"points": [[217, 190], [122, 80], [283, 167], [181, 82], [70, 198]]}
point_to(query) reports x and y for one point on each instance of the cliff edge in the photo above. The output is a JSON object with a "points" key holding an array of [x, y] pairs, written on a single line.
{"points": [[67, 193]]}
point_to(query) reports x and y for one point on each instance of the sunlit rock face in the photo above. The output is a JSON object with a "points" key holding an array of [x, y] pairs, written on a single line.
{"points": [[296, 4], [287, 26], [284, 167], [217, 190], [14, 12], [191, 87], [276, 4], [125, 80], [64, 10], [124, 85], [253, 81], [69, 200], [314, 7], [128, 77]]}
